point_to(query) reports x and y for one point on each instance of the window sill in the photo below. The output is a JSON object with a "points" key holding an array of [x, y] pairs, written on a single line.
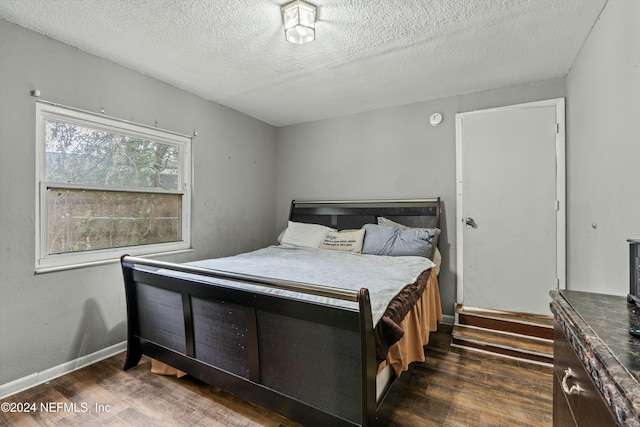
{"points": [[43, 270]]}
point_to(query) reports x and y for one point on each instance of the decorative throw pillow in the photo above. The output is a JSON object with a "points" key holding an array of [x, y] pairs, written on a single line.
{"points": [[345, 240], [381, 240], [305, 235], [434, 231]]}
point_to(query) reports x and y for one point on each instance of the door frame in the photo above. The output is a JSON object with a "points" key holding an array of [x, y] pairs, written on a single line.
{"points": [[561, 239]]}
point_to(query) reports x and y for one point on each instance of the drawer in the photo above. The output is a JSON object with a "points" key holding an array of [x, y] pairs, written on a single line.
{"points": [[587, 406], [562, 416]]}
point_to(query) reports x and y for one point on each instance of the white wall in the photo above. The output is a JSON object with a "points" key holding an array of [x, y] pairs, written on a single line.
{"points": [[390, 153], [49, 319], [603, 152]]}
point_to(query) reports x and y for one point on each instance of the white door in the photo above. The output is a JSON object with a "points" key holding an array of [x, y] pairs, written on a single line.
{"points": [[510, 206]]}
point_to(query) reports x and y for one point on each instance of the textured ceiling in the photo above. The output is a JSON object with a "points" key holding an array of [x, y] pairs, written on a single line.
{"points": [[368, 54]]}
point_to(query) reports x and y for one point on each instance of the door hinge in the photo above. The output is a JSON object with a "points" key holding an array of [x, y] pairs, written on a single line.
{"points": [[557, 128], [557, 205]]}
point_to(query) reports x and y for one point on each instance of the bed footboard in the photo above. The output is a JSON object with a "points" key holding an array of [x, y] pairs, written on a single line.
{"points": [[309, 362]]}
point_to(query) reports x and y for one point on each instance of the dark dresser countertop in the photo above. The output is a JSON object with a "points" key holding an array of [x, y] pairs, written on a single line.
{"points": [[597, 327]]}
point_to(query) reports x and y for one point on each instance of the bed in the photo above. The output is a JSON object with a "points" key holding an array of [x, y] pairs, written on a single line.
{"points": [[311, 348]]}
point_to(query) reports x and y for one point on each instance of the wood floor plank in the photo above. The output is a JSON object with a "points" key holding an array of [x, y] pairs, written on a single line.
{"points": [[453, 387]]}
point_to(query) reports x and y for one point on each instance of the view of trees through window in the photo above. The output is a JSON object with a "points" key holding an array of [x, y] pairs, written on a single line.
{"points": [[106, 190]]}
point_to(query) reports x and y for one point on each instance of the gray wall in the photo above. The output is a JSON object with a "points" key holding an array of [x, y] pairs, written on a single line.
{"points": [[603, 152], [48, 319], [246, 173], [390, 153]]}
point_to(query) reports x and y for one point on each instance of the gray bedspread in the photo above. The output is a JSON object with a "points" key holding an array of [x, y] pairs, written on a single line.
{"points": [[384, 276]]}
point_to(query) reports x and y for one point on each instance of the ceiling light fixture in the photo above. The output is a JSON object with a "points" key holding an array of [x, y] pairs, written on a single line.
{"points": [[299, 22]]}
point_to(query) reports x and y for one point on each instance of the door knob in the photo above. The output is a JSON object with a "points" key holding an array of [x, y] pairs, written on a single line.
{"points": [[471, 223]]}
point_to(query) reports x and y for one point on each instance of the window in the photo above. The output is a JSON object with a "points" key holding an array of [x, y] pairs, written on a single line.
{"points": [[107, 187]]}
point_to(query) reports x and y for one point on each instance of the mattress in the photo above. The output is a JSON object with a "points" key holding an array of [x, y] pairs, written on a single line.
{"points": [[384, 276]]}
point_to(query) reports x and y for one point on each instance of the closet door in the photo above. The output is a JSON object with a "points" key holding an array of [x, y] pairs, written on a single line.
{"points": [[510, 206]]}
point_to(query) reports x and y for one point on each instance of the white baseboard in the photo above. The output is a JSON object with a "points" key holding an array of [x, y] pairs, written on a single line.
{"points": [[37, 378]]}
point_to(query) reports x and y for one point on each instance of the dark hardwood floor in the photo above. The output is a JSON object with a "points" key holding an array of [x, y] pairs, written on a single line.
{"points": [[453, 387], [458, 387]]}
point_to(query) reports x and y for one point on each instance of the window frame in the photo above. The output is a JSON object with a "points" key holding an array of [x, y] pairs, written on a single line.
{"points": [[45, 262]]}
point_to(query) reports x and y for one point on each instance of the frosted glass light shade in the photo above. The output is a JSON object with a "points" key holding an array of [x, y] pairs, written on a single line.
{"points": [[299, 22]]}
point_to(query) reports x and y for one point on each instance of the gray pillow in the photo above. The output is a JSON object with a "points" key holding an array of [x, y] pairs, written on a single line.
{"points": [[381, 240], [434, 231]]}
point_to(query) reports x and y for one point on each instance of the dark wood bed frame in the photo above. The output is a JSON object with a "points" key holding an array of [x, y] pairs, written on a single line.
{"points": [[312, 363]]}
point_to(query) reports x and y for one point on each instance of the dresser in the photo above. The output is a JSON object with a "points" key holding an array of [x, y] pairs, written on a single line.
{"points": [[596, 361]]}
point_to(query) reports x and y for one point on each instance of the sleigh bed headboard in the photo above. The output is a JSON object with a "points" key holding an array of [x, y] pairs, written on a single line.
{"points": [[421, 213]]}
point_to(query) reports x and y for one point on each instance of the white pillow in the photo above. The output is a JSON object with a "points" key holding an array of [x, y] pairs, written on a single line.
{"points": [[437, 259], [388, 223], [306, 235], [345, 240]]}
